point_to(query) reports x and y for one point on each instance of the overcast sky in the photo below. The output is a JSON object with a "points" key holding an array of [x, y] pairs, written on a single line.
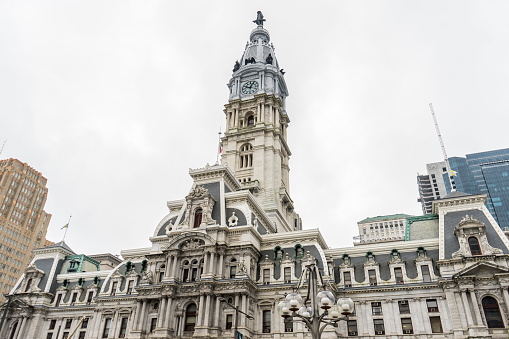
{"points": [[114, 101]]}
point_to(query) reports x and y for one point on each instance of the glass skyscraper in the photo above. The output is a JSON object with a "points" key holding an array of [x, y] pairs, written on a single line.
{"points": [[484, 173]]}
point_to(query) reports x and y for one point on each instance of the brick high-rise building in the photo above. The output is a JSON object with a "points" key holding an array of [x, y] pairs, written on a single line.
{"points": [[23, 222]]}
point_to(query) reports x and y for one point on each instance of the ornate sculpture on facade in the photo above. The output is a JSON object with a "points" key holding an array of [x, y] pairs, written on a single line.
{"points": [[468, 228], [236, 66], [146, 278], [233, 220], [199, 198]]}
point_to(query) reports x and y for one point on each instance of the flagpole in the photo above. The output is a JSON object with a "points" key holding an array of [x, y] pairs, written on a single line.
{"points": [[65, 233], [218, 146]]}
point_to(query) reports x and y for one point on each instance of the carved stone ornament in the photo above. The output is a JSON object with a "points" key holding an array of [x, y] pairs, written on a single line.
{"points": [[200, 198], [192, 244], [233, 220], [146, 278], [241, 268], [470, 227]]}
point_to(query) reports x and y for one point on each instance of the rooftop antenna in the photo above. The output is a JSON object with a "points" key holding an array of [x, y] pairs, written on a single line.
{"points": [[446, 159], [1, 149], [219, 147]]}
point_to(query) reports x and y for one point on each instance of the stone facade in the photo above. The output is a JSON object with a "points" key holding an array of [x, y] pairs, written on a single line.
{"points": [[242, 241]]}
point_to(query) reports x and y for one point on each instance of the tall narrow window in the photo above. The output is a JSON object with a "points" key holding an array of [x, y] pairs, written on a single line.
{"points": [[123, 328], [266, 276], [229, 321], [13, 331], [52, 324], [107, 325], [29, 282], [246, 156], [162, 269], [233, 268], [68, 323], [250, 120], [190, 320], [266, 321], [347, 279], [90, 297], [398, 275], [379, 326], [84, 323], [475, 249], [426, 277], [59, 299], [153, 324], [197, 218], [372, 277], [492, 313], [82, 335], [436, 325], [406, 325], [289, 324], [288, 275], [352, 328], [114, 288], [130, 286], [74, 297]]}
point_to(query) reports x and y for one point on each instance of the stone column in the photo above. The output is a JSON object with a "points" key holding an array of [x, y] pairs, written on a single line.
{"points": [[212, 263], [199, 321], [244, 309], [453, 310], [505, 293], [114, 324], [168, 266], [162, 311], [206, 320], [466, 306], [216, 314], [221, 265], [205, 263], [475, 305], [142, 315], [137, 315], [174, 269], [166, 322]]}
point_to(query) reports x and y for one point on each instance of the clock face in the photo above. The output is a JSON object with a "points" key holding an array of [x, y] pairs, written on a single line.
{"points": [[250, 87]]}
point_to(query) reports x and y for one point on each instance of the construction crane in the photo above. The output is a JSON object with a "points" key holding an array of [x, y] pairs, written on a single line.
{"points": [[446, 159]]}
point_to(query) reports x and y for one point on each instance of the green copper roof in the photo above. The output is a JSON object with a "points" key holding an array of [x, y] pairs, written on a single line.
{"points": [[385, 217]]}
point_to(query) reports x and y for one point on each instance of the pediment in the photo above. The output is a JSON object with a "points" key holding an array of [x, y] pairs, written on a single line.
{"points": [[482, 270], [189, 240]]}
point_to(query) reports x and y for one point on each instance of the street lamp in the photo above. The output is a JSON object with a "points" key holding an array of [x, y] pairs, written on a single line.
{"points": [[308, 310], [237, 334]]}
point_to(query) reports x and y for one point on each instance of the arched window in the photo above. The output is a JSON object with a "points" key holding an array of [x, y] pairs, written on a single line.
{"points": [[421, 252], [492, 313], [394, 254], [246, 156], [190, 318], [29, 283], [299, 251], [250, 120], [278, 253], [346, 259], [370, 256], [475, 249], [197, 218]]}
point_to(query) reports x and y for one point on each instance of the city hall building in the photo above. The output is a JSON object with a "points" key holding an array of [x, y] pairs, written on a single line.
{"points": [[236, 238]]}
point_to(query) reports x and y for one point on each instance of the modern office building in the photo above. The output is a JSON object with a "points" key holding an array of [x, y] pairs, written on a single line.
{"points": [[23, 221], [235, 240], [476, 173]]}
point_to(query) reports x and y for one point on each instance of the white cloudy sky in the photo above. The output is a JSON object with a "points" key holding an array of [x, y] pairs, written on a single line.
{"points": [[113, 101]]}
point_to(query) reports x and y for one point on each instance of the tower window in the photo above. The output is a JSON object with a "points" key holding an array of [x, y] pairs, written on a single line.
{"points": [[250, 120], [246, 156], [190, 318]]}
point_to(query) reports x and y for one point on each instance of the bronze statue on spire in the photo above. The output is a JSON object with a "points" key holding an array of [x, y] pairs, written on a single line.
{"points": [[259, 18]]}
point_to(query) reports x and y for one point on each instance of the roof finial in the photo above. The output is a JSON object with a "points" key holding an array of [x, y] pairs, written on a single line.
{"points": [[259, 18]]}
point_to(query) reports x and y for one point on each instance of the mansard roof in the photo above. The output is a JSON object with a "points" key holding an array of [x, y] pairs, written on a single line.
{"points": [[61, 244]]}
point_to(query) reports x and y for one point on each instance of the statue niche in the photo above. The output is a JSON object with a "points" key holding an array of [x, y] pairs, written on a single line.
{"points": [[471, 234], [199, 208]]}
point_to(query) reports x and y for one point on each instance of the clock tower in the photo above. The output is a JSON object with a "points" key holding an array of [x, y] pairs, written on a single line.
{"points": [[255, 142]]}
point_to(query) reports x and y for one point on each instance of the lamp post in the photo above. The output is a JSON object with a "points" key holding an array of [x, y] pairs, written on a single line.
{"points": [[236, 336], [308, 310]]}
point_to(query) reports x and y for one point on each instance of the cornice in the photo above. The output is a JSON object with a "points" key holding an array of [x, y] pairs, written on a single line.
{"points": [[448, 202], [310, 235], [135, 252], [75, 276]]}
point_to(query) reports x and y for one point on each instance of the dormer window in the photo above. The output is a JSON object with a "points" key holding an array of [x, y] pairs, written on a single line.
{"points": [[475, 249], [421, 252], [197, 218], [278, 253], [114, 288]]}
